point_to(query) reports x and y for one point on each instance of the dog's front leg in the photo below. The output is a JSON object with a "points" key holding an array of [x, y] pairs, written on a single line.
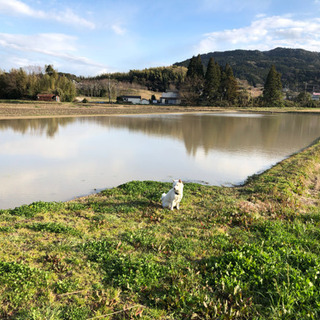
{"points": [[177, 206]]}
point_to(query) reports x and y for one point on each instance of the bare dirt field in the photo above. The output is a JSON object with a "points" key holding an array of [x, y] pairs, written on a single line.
{"points": [[42, 109], [33, 109]]}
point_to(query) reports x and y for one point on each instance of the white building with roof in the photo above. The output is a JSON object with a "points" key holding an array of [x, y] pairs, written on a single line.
{"points": [[132, 99], [170, 97]]}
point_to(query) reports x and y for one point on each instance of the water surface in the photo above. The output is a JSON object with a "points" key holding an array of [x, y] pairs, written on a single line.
{"points": [[58, 159]]}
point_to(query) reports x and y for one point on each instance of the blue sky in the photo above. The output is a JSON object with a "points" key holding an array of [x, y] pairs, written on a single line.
{"points": [[93, 37]]}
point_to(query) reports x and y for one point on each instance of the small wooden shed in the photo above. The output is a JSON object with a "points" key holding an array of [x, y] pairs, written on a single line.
{"points": [[48, 97]]}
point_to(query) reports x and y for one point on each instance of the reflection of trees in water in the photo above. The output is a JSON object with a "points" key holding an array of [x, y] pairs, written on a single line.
{"points": [[219, 132], [48, 126]]}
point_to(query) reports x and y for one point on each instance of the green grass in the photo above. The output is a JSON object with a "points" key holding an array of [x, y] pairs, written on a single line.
{"points": [[250, 252]]}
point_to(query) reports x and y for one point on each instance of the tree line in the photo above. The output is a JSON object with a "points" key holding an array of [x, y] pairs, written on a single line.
{"points": [[216, 84], [194, 85], [154, 79], [197, 84], [19, 84], [298, 67]]}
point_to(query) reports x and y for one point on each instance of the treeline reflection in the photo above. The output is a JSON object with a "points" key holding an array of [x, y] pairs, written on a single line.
{"points": [[205, 131], [226, 132], [38, 127]]}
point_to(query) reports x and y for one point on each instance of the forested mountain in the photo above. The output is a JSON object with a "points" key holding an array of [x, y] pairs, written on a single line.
{"points": [[299, 68]]}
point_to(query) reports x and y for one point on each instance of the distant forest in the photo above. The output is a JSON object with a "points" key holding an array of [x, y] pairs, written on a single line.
{"points": [[26, 84], [299, 72], [154, 79], [299, 69]]}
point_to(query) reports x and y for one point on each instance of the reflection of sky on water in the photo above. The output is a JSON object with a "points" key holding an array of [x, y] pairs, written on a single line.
{"points": [[87, 154]]}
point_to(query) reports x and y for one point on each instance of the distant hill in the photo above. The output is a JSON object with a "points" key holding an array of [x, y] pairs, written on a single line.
{"points": [[299, 68]]}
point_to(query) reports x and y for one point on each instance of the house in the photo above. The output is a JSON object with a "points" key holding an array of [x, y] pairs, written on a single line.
{"points": [[316, 96], [170, 97], [144, 101], [132, 99], [47, 97]]}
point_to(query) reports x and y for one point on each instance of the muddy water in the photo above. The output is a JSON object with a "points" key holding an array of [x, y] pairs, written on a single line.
{"points": [[60, 158]]}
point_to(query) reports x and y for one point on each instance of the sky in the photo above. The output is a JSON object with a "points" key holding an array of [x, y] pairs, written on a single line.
{"points": [[88, 38]]}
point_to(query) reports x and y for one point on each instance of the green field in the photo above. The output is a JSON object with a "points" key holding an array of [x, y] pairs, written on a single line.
{"points": [[249, 252]]}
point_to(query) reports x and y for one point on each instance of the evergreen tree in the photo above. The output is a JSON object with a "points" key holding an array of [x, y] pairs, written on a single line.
{"points": [[192, 88], [212, 81], [50, 71], [199, 67], [272, 92], [195, 68], [231, 84], [191, 67], [228, 86]]}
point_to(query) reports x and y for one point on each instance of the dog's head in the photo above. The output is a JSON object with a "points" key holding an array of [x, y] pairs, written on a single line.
{"points": [[178, 186]]}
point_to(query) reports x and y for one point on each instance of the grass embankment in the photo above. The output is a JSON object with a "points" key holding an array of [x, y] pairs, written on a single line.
{"points": [[250, 252]]}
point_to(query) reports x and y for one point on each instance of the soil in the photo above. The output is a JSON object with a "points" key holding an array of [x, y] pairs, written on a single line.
{"points": [[42, 110], [32, 109]]}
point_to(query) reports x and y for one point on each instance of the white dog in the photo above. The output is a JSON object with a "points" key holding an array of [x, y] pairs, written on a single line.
{"points": [[173, 197]]}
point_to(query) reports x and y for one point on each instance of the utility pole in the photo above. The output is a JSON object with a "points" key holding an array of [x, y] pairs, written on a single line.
{"points": [[109, 89]]}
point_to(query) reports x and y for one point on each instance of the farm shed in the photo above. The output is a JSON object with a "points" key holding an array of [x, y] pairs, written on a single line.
{"points": [[48, 97]]}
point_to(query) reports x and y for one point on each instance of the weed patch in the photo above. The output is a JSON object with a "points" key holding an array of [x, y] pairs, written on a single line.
{"points": [[53, 227], [34, 208], [21, 284]]}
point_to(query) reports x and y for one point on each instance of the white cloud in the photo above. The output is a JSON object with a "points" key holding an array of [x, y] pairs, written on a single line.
{"points": [[16, 7], [20, 61], [265, 33], [69, 17], [42, 43], [119, 30], [47, 46]]}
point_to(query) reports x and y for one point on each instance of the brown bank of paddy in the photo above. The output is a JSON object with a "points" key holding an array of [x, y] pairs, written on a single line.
{"points": [[248, 252], [31, 109], [10, 109]]}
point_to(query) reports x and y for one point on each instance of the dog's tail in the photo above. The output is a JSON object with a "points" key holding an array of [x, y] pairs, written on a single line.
{"points": [[163, 195]]}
